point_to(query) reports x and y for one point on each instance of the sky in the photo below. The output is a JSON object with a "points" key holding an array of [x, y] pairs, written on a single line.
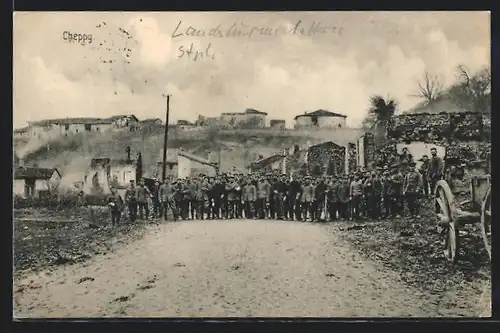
{"points": [[287, 63]]}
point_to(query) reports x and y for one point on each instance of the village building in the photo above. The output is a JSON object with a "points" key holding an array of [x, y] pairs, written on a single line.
{"points": [[326, 158], [54, 128], [185, 124], [21, 133], [276, 162], [35, 182], [251, 118], [151, 122], [106, 172], [207, 121], [128, 122], [277, 123], [320, 119], [182, 164]]}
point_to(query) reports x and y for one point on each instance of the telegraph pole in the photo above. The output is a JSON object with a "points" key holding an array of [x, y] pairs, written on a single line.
{"points": [[164, 164]]}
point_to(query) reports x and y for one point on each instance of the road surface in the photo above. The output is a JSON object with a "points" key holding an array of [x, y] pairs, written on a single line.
{"points": [[233, 268]]}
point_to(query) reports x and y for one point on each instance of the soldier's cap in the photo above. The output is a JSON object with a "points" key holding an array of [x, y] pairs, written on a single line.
{"points": [[413, 163], [379, 168], [395, 166]]}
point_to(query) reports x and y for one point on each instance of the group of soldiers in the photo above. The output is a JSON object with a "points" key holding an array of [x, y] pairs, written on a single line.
{"points": [[376, 194]]}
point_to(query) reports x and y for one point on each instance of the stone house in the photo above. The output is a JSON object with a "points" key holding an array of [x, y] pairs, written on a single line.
{"points": [[320, 119], [34, 182]]}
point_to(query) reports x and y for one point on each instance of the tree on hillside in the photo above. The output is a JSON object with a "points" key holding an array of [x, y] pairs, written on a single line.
{"points": [[250, 123], [379, 116], [472, 91], [430, 88]]}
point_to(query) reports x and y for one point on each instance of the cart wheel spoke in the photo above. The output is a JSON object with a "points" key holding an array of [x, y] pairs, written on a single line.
{"points": [[486, 221], [445, 203]]}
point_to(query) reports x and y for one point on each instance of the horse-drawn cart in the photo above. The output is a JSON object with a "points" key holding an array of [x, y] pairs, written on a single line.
{"points": [[453, 215]]}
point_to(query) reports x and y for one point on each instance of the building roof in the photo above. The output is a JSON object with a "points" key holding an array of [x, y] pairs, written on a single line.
{"points": [[327, 144], [37, 173], [247, 112], [266, 161], [68, 121], [196, 158], [113, 118], [173, 157], [21, 130], [122, 162], [184, 122], [100, 161], [253, 111], [321, 113], [151, 120]]}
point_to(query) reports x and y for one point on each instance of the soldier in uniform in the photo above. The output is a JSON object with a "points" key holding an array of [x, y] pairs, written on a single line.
{"points": [[411, 190], [218, 192], [356, 194], [307, 198], [282, 188], [396, 191], [167, 199], [405, 157], [115, 204], [373, 194], [436, 168], [157, 207], [343, 195], [272, 203], [293, 195], [263, 194], [131, 202], [179, 197], [320, 196], [192, 187], [424, 171], [333, 198], [386, 193], [202, 197], [249, 198], [233, 190], [142, 195]]}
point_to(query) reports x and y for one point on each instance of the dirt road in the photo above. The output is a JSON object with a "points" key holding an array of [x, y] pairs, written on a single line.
{"points": [[224, 268]]}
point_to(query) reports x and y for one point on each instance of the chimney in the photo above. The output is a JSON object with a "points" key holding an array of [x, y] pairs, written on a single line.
{"points": [[127, 150]]}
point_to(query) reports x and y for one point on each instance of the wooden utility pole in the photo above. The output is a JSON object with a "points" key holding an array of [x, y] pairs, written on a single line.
{"points": [[164, 164]]}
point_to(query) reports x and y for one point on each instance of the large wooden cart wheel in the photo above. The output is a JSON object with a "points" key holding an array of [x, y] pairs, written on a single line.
{"points": [[486, 221], [446, 210]]}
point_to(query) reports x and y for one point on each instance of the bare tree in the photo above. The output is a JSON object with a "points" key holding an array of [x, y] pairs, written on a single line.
{"points": [[472, 92], [430, 88]]}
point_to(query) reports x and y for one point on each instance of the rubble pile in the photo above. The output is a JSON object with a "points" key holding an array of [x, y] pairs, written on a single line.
{"points": [[466, 126], [486, 125], [352, 156], [436, 127], [329, 160], [386, 154], [45, 238], [369, 145], [414, 249]]}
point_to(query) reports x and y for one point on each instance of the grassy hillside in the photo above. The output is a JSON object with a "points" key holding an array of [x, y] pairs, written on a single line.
{"points": [[237, 148]]}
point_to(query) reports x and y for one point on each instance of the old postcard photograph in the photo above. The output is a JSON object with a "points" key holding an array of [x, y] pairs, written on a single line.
{"points": [[251, 164]]}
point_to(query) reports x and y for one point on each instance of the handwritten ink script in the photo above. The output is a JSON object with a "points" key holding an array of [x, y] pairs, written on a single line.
{"points": [[194, 54], [76, 37], [242, 30]]}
